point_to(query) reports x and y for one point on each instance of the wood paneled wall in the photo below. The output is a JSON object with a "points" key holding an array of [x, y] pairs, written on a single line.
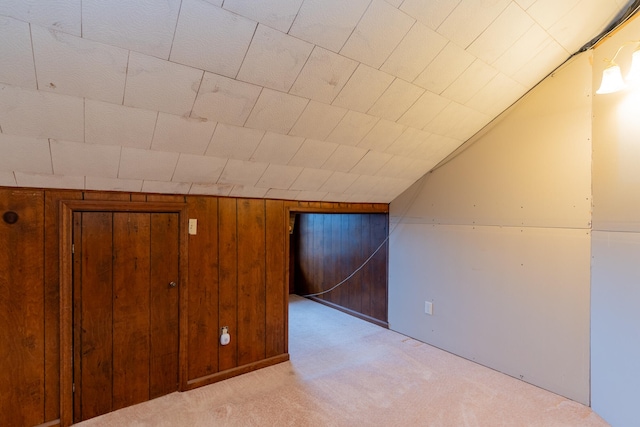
{"points": [[237, 272], [328, 248]]}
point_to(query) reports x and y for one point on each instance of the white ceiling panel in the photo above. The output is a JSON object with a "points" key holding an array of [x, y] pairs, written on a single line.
{"points": [[328, 23], [279, 176], [62, 15], [19, 153], [431, 13], [335, 100], [112, 184], [323, 76], [161, 85], [274, 59], [78, 158], [407, 143], [338, 182], [424, 110], [225, 100], [41, 114], [590, 14], [363, 89], [277, 148], [444, 69], [311, 179], [147, 164], [74, 66], [278, 14], [352, 128], [211, 38], [313, 153], [369, 45], [242, 172], [396, 100], [143, 26], [182, 134], [247, 191], [469, 19], [418, 48], [275, 193], [497, 95], [111, 124], [474, 78], [371, 163], [512, 23], [318, 120], [211, 189], [199, 169], [276, 111], [344, 158], [49, 181], [383, 134], [234, 142], [532, 42], [18, 68], [458, 122], [150, 186], [7, 179]]}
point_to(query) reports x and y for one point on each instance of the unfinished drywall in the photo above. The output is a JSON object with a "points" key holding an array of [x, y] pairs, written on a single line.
{"points": [[499, 240], [615, 280]]}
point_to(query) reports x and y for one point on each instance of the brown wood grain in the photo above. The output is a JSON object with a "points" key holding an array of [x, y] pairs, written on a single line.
{"points": [[131, 270], [251, 281], [338, 244], [107, 196], [164, 304], [52, 300], [93, 315], [203, 288], [228, 279], [276, 290], [22, 308], [165, 198]]}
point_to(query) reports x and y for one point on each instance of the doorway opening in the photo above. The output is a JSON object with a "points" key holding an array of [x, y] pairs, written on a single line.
{"points": [[341, 260]]}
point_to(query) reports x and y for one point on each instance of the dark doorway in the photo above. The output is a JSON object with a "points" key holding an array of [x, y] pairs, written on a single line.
{"points": [[326, 248]]}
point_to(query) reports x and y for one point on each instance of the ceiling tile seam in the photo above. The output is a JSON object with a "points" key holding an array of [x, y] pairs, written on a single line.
{"points": [[246, 52], [53, 171], [354, 29], [119, 164], [300, 71], [295, 17], [126, 77], [244, 123], [84, 120], [153, 133], [33, 56], [206, 149], [195, 98], [175, 29]]}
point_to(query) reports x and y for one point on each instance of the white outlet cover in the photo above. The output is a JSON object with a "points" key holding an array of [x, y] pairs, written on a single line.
{"points": [[193, 226], [428, 307]]}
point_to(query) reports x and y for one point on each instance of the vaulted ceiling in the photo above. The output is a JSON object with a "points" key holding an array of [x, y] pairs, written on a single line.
{"points": [[335, 100]]}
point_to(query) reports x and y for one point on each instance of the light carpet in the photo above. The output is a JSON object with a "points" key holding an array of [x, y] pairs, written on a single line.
{"points": [[347, 372]]}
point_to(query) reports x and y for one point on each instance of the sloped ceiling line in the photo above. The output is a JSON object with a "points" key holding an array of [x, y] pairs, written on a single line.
{"points": [[298, 99]]}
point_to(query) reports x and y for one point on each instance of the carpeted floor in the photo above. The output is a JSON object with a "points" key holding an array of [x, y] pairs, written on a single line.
{"points": [[347, 372]]}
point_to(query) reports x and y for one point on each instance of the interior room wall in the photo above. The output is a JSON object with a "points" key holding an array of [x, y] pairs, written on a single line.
{"points": [[498, 240], [615, 280]]}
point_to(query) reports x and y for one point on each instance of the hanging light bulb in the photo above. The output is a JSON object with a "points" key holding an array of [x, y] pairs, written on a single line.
{"points": [[611, 80], [634, 71]]}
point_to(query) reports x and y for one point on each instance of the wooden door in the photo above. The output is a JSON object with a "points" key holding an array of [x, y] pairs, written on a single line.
{"points": [[125, 272]]}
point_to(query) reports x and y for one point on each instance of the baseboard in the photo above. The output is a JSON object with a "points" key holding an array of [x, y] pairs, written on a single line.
{"points": [[229, 373], [352, 312]]}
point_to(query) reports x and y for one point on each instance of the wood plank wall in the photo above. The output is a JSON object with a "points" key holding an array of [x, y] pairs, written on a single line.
{"points": [[327, 248], [238, 267]]}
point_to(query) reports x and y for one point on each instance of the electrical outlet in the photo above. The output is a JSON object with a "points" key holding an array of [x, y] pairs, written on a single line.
{"points": [[193, 226], [428, 308]]}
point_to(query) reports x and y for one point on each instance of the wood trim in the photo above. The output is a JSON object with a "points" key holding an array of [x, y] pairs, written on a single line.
{"points": [[229, 373], [351, 312], [67, 209]]}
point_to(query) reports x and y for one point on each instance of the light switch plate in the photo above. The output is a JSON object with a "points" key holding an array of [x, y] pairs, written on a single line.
{"points": [[193, 226], [428, 307]]}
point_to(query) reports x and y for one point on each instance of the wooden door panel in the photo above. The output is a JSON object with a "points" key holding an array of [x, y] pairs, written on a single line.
{"points": [[131, 270], [93, 299], [164, 304]]}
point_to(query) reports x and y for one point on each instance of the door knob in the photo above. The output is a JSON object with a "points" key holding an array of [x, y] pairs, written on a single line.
{"points": [[172, 284]]}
